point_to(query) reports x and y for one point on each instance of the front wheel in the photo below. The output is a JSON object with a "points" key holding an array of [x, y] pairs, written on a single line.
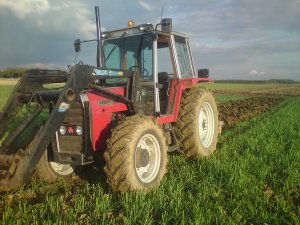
{"points": [[45, 169], [197, 125], [136, 155], [51, 171]]}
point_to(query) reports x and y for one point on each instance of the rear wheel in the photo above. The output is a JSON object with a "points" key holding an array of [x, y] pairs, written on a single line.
{"points": [[197, 125], [136, 155]]}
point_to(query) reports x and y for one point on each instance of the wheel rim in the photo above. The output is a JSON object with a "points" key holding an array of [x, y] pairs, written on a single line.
{"points": [[206, 124], [62, 169], [147, 158]]}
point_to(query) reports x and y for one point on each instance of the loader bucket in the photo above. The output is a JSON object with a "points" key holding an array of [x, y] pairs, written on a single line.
{"points": [[17, 165]]}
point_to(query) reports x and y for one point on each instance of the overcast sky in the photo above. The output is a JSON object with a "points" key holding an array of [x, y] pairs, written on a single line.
{"points": [[235, 39]]}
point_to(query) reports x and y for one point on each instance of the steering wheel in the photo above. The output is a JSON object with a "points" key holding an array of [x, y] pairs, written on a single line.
{"points": [[144, 72]]}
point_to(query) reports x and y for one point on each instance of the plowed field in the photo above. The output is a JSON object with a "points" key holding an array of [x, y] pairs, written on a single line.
{"points": [[235, 111], [261, 99]]}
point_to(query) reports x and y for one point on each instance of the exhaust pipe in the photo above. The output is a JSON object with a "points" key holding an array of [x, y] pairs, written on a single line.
{"points": [[99, 45]]}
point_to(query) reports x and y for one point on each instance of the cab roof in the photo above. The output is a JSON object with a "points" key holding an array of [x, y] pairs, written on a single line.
{"points": [[136, 30]]}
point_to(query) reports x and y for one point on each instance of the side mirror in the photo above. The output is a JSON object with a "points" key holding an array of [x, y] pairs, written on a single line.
{"points": [[203, 73], [77, 45]]}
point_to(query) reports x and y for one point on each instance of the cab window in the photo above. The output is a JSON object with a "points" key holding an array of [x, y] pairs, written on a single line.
{"points": [[183, 57], [130, 53]]}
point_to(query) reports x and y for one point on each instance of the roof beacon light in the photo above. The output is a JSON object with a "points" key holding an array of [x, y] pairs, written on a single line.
{"points": [[130, 23]]}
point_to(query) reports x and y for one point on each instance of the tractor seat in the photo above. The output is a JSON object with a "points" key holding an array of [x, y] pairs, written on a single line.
{"points": [[164, 82]]}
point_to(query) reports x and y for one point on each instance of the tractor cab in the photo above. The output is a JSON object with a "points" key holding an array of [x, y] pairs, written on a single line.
{"points": [[159, 57]]}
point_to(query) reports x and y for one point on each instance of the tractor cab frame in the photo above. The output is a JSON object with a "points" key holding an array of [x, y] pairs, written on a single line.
{"points": [[162, 60]]}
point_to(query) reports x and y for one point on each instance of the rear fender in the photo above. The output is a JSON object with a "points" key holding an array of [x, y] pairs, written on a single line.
{"points": [[177, 88]]}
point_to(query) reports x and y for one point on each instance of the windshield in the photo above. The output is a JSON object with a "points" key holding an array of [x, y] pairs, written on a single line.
{"points": [[130, 53]]}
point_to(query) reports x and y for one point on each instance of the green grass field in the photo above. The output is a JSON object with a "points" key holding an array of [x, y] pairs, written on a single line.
{"points": [[222, 98], [4, 93], [6, 89], [242, 86], [253, 178]]}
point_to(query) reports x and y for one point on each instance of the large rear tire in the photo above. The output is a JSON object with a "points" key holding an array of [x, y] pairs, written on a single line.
{"points": [[197, 125], [136, 155]]}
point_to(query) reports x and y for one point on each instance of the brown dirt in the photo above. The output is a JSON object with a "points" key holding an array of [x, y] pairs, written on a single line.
{"points": [[8, 81], [235, 111], [36, 196]]}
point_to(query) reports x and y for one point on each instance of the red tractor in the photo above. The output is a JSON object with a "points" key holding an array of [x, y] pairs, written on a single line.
{"points": [[141, 101]]}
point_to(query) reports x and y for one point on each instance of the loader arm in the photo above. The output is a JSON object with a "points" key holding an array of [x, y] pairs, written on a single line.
{"points": [[29, 87], [22, 164], [19, 167]]}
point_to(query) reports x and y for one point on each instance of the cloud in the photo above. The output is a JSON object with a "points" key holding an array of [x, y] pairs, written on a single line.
{"points": [[230, 37], [146, 5], [257, 73], [22, 8], [49, 17], [38, 31]]}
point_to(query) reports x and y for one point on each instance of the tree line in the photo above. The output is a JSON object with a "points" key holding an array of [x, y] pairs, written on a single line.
{"points": [[272, 81], [16, 72]]}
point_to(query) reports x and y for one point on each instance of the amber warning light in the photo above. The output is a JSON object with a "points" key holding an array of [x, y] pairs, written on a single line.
{"points": [[130, 23]]}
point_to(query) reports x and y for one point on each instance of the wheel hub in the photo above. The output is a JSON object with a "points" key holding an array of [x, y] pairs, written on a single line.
{"points": [[147, 158], [206, 124], [62, 169], [143, 158]]}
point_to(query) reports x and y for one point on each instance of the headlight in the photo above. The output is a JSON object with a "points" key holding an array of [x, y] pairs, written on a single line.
{"points": [[79, 130], [62, 130]]}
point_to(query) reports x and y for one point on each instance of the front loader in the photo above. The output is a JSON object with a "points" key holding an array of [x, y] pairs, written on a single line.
{"points": [[142, 100]]}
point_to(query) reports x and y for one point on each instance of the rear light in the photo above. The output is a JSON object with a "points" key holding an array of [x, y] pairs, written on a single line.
{"points": [[62, 130]]}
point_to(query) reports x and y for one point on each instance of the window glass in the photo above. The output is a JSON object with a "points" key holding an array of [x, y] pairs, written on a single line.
{"points": [[183, 57], [164, 61], [112, 56], [130, 53]]}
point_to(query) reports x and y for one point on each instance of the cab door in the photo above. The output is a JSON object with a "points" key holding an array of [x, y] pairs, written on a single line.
{"points": [[167, 72]]}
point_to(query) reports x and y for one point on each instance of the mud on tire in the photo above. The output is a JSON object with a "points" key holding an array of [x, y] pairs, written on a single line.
{"points": [[136, 155], [197, 125]]}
